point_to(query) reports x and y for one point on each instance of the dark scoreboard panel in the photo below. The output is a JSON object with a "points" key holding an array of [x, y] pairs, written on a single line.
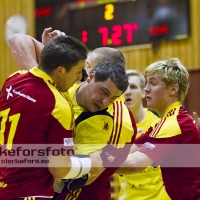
{"points": [[115, 23]]}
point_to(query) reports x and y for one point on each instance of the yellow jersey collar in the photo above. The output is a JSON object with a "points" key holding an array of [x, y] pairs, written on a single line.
{"points": [[171, 107], [41, 74], [121, 98]]}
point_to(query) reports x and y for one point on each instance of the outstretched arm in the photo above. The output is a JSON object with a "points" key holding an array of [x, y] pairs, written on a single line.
{"points": [[135, 163]]}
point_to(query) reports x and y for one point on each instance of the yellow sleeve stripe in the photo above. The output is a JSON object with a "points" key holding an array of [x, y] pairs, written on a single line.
{"points": [[117, 127], [157, 129]]}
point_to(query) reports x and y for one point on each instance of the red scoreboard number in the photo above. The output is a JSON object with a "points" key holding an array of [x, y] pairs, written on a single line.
{"points": [[116, 30], [116, 35]]}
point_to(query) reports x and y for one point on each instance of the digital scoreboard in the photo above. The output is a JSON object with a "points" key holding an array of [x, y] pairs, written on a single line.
{"points": [[115, 23]]}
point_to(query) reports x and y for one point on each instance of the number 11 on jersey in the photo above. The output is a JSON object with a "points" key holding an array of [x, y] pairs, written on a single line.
{"points": [[13, 119]]}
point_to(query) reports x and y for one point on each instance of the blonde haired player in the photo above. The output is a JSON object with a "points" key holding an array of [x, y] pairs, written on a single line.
{"points": [[173, 140], [147, 184]]}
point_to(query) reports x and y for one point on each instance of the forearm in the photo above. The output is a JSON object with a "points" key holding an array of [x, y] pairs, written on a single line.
{"points": [[59, 166], [135, 163], [25, 50], [68, 167], [134, 148]]}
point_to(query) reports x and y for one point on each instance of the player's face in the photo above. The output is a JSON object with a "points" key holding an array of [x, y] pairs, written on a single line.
{"points": [[99, 95], [134, 94], [68, 78], [157, 94], [91, 62]]}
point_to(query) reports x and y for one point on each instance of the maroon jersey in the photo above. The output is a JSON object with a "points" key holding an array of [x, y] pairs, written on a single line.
{"points": [[173, 143], [32, 112]]}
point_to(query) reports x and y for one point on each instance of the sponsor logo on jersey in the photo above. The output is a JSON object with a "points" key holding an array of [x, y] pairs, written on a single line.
{"points": [[110, 157], [68, 142], [171, 112], [149, 145], [106, 126], [10, 94]]}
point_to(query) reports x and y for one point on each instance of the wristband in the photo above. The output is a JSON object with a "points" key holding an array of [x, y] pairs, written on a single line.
{"points": [[86, 166], [79, 167]]}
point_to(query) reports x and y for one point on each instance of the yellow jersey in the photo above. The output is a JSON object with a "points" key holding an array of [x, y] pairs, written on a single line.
{"points": [[92, 131], [119, 134]]}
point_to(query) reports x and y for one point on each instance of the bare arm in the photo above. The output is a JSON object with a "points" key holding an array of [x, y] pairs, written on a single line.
{"points": [[97, 171], [136, 162], [25, 50], [134, 148], [59, 166]]}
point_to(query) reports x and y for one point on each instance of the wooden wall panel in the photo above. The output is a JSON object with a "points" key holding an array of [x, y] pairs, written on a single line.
{"points": [[7, 9], [192, 99]]}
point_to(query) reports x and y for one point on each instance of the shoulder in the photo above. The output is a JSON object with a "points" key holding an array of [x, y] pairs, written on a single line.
{"points": [[63, 110], [119, 111], [19, 72], [123, 130], [163, 127], [187, 123]]}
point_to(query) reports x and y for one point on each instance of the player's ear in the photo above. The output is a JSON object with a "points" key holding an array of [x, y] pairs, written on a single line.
{"points": [[91, 76], [60, 70], [174, 89]]}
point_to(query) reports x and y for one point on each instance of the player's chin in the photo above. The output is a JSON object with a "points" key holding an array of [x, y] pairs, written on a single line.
{"points": [[129, 104], [95, 108], [64, 89], [151, 106]]}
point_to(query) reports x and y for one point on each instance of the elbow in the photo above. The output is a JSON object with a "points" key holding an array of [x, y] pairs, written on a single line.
{"points": [[14, 38], [11, 40]]}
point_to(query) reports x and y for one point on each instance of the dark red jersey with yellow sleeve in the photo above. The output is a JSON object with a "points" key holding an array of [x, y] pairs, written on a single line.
{"points": [[173, 142], [32, 112]]}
